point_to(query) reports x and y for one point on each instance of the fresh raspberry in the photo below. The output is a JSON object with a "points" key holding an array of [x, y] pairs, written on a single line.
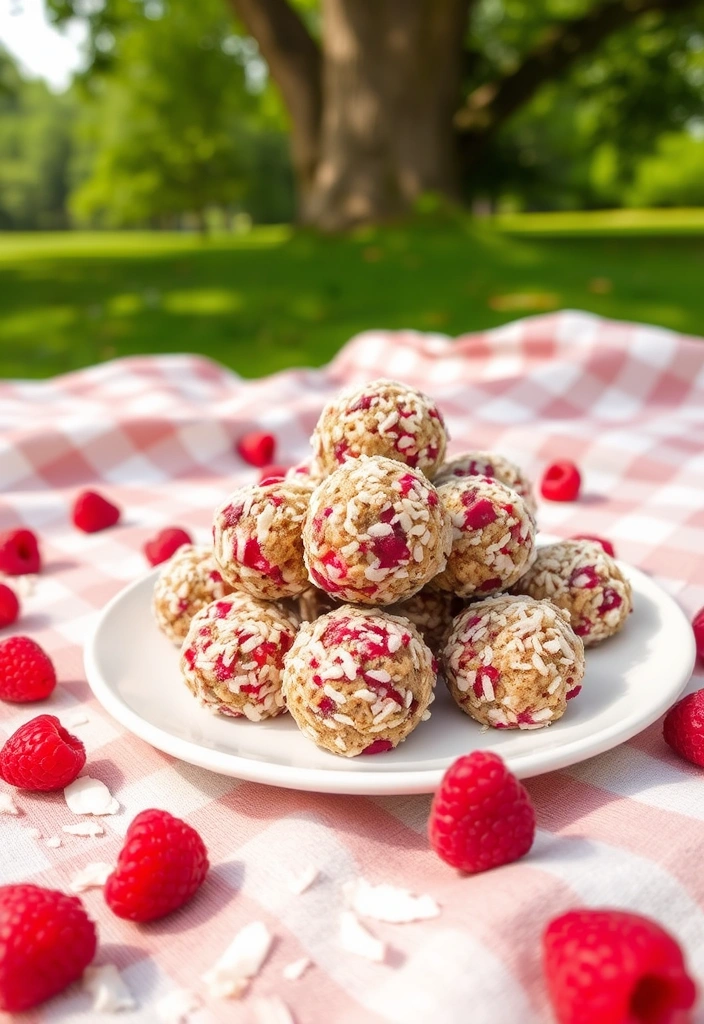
{"points": [[46, 942], [26, 671], [257, 448], [698, 627], [271, 473], [161, 865], [561, 482], [611, 967], [19, 553], [160, 548], [92, 512], [683, 727], [481, 816], [605, 544], [9, 606], [42, 756]]}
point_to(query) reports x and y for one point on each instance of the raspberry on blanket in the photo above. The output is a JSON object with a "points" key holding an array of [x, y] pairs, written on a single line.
{"points": [[481, 816], [188, 582], [160, 867], [19, 553], [381, 418], [561, 481], [257, 448], [513, 662], [161, 547], [41, 755], [232, 658], [683, 728], [27, 673], [375, 532], [358, 681], [611, 966], [579, 576], [492, 465], [9, 606], [493, 538], [698, 627], [92, 512], [46, 942]]}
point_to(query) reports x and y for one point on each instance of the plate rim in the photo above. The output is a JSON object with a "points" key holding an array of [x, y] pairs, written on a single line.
{"points": [[371, 783]]}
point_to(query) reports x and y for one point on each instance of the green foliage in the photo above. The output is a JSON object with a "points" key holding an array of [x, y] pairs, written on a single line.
{"points": [[673, 176]]}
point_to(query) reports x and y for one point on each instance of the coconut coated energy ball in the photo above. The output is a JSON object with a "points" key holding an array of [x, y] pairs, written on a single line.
{"points": [[493, 537], [257, 538], [382, 418], [580, 577], [358, 681], [491, 464], [233, 656], [512, 662], [375, 532], [431, 612], [187, 582]]}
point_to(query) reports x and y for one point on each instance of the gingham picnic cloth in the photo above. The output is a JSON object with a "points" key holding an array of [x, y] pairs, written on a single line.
{"points": [[625, 829]]}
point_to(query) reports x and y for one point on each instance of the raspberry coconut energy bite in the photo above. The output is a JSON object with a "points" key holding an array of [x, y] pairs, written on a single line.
{"points": [[431, 612], [382, 418], [375, 532], [187, 582], [512, 662], [358, 681], [233, 656], [489, 464], [257, 538], [579, 576], [493, 537]]}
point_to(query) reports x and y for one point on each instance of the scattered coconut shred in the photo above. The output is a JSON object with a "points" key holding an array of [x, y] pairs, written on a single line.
{"points": [[93, 876], [242, 960], [53, 842], [90, 796], [296, 969], [7, 804], [79, 718], [179, 1006], [109, 992], [300, 883], [84, 828], [272, 1010], [388, 903], [355, 938]]}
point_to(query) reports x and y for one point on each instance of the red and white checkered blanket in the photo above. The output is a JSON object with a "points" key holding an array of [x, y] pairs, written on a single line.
{"points": [[158, 436]]}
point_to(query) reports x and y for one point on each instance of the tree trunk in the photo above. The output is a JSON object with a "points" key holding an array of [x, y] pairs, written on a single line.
{"points": [[391, 81]]}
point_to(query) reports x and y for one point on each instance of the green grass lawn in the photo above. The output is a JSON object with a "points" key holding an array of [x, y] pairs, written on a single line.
{"points": [[275, 298]]}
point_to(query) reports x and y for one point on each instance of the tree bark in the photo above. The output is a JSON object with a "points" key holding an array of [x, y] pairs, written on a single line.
{"points": [[391, 77]]}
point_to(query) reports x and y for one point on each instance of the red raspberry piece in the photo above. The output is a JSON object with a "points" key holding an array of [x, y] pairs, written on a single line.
{"points": [[611, 967], [605, 544], [160, 548], [19, 553], [561, 481], [92, 512], [481, 816], [42, 756], [257, 448], [9, 606], [698, 627], [683, 727], [26, 671], [160, 867], [46, 942], [270, 474]]}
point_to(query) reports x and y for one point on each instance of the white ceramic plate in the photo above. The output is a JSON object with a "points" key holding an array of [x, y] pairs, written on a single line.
{"points": [[630, 681]]}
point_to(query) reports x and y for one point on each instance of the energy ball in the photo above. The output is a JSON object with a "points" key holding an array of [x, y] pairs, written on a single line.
{"points": [[580, 577], [233, 656], [489, 464], [257, 539], [431, 612], [375, 532], [187, 582], [512, 662], [493, 537], [358, 681], [382, 418]]}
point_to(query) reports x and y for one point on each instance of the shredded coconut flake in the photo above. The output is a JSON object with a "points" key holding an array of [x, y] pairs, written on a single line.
{"points": [[53, 842], [296, 969], [110, 994], [388, 903], [241, 961], [301, 882], [7, 804], [272, 1010], [90, 796], [78, 718], [34, 833], [178, 1006], [84, 828], [92, 876], [355, 938]]}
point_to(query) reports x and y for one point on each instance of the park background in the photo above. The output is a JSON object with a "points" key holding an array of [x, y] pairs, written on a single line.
{"points": [[257, 180]]}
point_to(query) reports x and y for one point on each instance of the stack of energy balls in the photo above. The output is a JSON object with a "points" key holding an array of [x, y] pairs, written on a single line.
{"points": [[336, 592]]}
